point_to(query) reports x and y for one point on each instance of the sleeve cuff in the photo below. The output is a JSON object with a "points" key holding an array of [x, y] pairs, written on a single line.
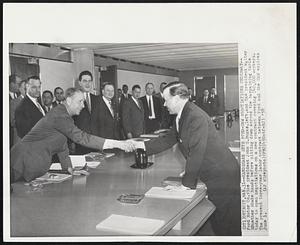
{"points": [[109, 144]]}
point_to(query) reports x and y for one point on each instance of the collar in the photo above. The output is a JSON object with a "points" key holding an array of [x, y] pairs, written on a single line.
{"points": [[105, 99], [34, 100], [180, 111], [67, 108], [135, 100]]}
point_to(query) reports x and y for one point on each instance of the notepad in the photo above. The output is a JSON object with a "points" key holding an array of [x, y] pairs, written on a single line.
{"points": [[130, 225], [178, 180], [55, 166], [161, 192]]}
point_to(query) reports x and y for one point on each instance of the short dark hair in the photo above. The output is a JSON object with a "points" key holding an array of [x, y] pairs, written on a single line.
{"points": [[125, 85], [48, 91], [13, 78], [83, 73], [135, 86], [71, 91], [106, 84], [148, 84], [32, 78], [57, 88], [178, 88]]}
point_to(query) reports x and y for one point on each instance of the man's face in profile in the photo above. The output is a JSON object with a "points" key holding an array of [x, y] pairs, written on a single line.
{"points": [[76, 103]]}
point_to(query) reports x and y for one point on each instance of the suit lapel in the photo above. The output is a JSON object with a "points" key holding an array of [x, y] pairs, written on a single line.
{"points": [[183, 116]]}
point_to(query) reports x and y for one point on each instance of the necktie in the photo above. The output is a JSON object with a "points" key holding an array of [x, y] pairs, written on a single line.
{"points": [[150, 108], [111, 109], [87, 99], [15, 95], [40, 108]]}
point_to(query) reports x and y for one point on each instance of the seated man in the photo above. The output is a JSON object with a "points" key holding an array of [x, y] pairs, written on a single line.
{"points": [[31, 157]]}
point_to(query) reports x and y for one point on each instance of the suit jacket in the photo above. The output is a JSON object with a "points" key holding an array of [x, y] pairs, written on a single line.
{"points": [[157, 107], [214, 105], [206, 154], [104, 124], [133, 118], [121, 103], [31, 157], [26, 116], [166, 118], [13, 104], [204, 106]]}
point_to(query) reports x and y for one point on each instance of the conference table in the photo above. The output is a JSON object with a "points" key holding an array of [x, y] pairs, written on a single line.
{"points": [[75, 206]]}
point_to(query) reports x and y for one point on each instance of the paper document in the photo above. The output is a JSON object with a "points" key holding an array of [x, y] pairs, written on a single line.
{"points": [[149, 135], [171, 193], [78, 161], [130, 225]]}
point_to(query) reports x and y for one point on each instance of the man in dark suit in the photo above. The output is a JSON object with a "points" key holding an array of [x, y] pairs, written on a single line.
{"points": [[152, 109], [125, 94], [29, 111], [14, 83], [214, 102], [133, 115], [13, 104], [207, 157], [204, 103], [59, 96], [31, 157], [166, 118], [47, 97], [106, 122], [84, 120]]}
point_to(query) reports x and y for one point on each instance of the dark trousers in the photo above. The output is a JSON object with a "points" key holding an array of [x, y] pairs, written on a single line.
{"points": [[226, 220], [151, 125]]}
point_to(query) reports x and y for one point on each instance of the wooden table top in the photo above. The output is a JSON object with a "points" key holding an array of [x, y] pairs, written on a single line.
{"points": [[76, 206]]}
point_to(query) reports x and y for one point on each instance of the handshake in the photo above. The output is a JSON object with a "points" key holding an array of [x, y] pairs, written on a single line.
{"points": [[129, 145]]}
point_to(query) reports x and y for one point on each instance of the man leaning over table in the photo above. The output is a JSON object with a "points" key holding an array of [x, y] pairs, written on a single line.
{"points": [[207, 157], [31, 157]]}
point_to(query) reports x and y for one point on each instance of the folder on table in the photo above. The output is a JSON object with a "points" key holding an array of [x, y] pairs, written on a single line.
{"points": [[54, 177], [162, 192], [130, 225]]}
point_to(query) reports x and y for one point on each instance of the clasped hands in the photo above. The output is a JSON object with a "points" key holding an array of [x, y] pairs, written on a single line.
{"points": [[129, 145]]}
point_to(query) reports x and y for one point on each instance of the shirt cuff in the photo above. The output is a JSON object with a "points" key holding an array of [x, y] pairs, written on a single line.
{"points": [[140, 144], [109, 144]]}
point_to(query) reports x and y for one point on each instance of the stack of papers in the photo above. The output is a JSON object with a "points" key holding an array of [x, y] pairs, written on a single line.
{"points": [[130, 225], [170, 193], [176, 181]]}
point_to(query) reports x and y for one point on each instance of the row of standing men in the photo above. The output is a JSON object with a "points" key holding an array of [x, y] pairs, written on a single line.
{"points": [[108, 116], [113, 117]]}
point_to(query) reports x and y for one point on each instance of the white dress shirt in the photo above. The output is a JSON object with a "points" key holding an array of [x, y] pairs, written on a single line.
{"points": [[148, 97], [178, 116], [109, 106], [137, 103], [37, 104]]}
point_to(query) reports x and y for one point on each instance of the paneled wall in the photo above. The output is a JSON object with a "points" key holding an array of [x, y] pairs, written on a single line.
{"points": [[188, 78]]}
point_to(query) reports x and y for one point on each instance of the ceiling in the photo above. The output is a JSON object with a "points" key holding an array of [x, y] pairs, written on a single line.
{"points": [[177, 56]]}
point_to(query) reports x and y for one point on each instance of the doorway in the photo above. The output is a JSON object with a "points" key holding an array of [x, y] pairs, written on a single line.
{"points": [[202, 83]]}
